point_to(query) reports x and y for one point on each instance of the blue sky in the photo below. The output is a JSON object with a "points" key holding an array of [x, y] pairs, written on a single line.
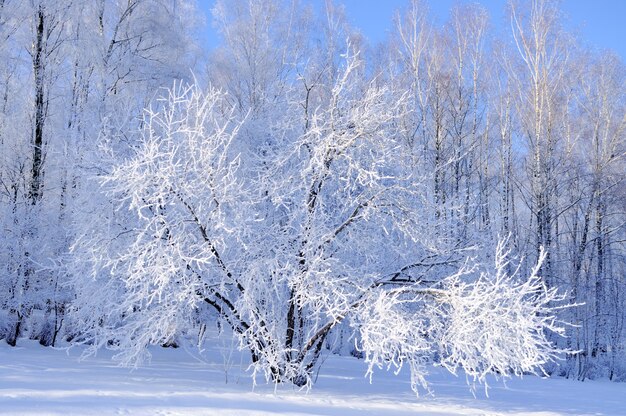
{"points": [[599, 23]]}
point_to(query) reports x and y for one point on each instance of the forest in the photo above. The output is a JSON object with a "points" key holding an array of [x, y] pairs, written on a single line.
{"points": [[453, 196]]}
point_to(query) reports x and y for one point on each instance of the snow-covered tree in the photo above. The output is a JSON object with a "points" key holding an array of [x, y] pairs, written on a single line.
{"points": [[340, 236]]}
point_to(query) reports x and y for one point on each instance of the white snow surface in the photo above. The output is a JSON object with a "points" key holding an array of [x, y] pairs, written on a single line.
{"points": [[45, 381]]}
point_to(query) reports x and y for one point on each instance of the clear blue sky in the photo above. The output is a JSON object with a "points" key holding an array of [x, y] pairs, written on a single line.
{"points": [[599, 23]]}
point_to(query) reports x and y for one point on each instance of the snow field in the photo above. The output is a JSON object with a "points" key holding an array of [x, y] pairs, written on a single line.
{"points": [[46, 381]]}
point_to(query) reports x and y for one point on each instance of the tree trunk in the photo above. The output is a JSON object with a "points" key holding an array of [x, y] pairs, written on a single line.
{"points": [[38, 141]]}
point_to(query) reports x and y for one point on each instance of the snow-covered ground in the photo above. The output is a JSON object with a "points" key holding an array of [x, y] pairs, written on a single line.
{"points": [[41, 381]]}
